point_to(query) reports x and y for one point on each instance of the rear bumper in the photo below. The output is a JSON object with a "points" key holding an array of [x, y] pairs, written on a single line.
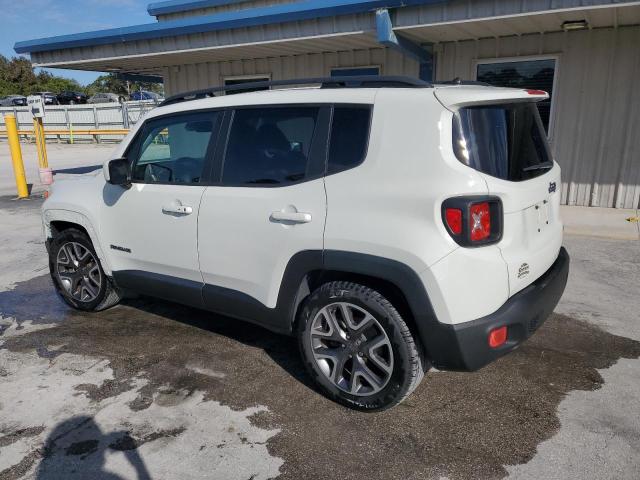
{"points": [[465, 346]]}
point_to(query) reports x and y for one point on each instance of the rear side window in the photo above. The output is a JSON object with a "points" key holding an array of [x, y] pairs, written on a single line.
{"points": [[349, 137], [269, 146], [505, 141]]}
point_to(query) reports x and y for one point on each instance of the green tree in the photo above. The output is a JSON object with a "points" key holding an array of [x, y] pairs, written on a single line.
{"points": [[111, 83], [17, 77]]}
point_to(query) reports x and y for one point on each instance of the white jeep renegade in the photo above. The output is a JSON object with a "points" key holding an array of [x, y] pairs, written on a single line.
{"points": [[388, 223]]}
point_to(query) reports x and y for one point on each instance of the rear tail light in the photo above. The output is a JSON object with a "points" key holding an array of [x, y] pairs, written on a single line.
{"points": [[480, 221], [454, 220], [497, 337], [536, 92], [473, 221]]}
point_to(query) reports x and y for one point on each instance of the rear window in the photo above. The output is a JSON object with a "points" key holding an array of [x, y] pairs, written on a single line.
{"points": [[507, 141]]}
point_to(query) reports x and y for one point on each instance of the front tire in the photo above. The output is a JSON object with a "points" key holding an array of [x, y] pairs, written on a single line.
{"points": [[77, 274], [358, 348]]}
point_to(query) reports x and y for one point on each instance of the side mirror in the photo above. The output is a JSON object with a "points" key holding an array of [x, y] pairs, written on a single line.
{"points": [[119, 173]]}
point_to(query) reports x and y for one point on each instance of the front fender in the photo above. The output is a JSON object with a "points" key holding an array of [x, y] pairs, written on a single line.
{"points": [[53, 215]]}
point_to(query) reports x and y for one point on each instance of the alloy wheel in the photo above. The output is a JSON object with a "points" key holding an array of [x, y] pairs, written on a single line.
{"points": [[351, 349], [79, 272]]}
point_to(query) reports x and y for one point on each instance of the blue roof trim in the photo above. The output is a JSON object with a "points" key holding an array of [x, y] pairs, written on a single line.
{"points": [[176, 6], [289, 12]]}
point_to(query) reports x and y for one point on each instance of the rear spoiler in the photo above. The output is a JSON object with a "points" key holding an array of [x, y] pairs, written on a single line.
{"points": [[455, 97]]}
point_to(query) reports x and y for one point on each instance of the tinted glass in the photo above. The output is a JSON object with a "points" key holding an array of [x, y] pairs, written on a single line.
{"points": [[349, 137], [533, 74], [174, 149], [504, 141], [269, 146]]}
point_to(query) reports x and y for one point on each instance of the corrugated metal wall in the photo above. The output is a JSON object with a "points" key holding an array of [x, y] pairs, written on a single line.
{"points": [[596, 114], [203, 75]]}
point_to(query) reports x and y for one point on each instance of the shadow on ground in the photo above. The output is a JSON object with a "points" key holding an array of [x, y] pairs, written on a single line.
{"points": [[459, 425], [77, 170]]}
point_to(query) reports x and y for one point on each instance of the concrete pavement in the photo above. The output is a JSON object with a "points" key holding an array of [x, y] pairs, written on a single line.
{"points": [[155, 390]]}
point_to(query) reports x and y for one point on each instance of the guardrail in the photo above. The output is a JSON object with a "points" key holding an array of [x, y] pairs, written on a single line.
{"points": [[71, 134], [71, 123]]}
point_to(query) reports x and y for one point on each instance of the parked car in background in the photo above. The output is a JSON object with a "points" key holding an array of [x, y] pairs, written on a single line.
{"points": [[71, 98], [144, 95], [13, 101], [106, 98], [49, 98]]}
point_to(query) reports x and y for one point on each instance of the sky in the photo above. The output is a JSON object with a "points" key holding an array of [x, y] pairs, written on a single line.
{"points": [[29, 19]]}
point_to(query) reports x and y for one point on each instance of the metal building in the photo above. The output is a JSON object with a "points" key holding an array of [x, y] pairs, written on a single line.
{"points": [[585, 52]]}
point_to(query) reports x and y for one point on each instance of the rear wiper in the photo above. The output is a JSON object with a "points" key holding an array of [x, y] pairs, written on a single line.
{"points": [[542, 166]]}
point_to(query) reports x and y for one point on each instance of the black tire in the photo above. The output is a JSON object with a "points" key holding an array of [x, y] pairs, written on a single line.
{"points": [[408, 361], [107, 294]]}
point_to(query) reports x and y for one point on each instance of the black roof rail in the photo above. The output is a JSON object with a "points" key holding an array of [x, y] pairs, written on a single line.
{"points": [[459, 81], [365, 81]]}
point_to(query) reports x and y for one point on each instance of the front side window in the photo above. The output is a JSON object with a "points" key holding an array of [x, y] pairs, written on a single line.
{"points": [[269, 146], [174, 149], [533, 74]]}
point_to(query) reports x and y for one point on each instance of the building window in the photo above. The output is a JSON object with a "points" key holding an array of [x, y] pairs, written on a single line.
{"points": [[536, 74], [229, 81], [355, 72]]}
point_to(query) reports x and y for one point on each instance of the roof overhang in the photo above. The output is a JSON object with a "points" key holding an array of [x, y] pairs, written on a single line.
{"points": [[153, 63], [597, 16], [254, 17], [275, 32]]}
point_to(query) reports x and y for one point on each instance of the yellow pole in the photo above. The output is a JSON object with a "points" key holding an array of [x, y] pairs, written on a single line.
{"points": [[43, 143], [38, 130], [16, 156], [36, 135]]}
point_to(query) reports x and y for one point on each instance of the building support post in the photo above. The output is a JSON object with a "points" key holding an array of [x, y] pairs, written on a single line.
{"points": [[387, 37]]}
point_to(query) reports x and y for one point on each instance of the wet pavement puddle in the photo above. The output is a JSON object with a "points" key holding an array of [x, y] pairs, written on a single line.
{"points": [[145, 382]]}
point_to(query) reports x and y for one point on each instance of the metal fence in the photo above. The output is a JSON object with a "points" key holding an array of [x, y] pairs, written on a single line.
{"points": [[105, 116]]}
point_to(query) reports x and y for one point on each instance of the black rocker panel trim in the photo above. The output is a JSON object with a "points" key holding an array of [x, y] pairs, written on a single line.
{"points": [[279, 319], [157, 285]]}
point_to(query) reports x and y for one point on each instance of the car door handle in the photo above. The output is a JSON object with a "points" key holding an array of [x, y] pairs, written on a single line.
{"points": [[291, 217], [177, 209]]}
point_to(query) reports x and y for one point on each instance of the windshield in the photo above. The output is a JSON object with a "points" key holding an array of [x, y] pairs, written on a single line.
{"points": [[505, 141]]}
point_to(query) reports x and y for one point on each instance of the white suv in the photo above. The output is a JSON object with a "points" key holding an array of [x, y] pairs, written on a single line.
{"points": [[390, 224]]}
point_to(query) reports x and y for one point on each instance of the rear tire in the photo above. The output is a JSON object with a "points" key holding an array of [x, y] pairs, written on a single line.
{"points": [[77, 274], [357, 347]]}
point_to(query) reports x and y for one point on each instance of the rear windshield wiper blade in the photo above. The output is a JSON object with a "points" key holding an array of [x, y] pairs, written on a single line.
{"points": [[542, 166]]}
